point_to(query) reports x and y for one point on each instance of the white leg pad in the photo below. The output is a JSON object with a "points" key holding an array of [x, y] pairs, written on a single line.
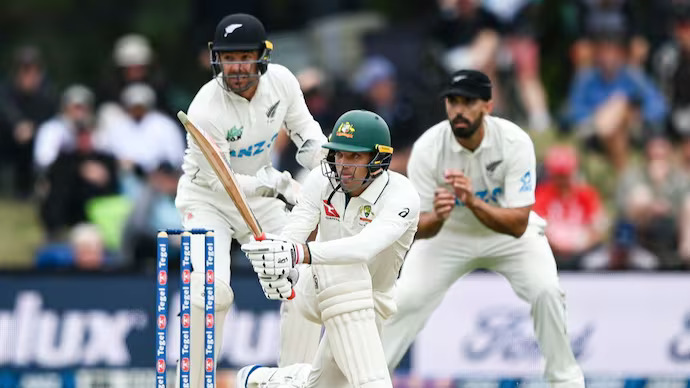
{"points": [[224, 298], [299, 337], [300, 323], [347, 311]]}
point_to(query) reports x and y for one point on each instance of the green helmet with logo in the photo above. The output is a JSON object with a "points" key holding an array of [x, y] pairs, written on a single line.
{"points": [[360, 131]]}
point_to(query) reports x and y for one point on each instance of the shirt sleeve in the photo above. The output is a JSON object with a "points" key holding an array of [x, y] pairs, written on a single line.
{"points": [[303, 130], [521, 176], [398, 216], [420, 171], [305, 216]]}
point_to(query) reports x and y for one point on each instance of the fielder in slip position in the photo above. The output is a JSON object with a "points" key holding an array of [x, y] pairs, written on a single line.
{"points": [[242, 109], [475, 175], [366, 218]]}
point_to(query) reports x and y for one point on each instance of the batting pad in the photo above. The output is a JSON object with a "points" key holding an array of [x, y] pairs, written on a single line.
{"points": [[347, 311], [223, 300], [299, 337]]}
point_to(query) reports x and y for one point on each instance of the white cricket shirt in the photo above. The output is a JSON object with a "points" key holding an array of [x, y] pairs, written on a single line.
{"points": [[244, 129], [502, 170], [376, 228]]}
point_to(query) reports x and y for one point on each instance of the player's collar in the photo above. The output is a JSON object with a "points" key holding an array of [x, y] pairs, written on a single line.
{"points": [[487, 141], [372, 193]]}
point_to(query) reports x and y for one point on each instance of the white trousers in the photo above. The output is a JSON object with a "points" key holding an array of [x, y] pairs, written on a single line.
{"points": [[201, 207], [433, 265]]}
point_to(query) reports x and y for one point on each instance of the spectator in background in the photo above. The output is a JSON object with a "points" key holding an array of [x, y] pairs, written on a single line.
{"points": [[576, 219], [375, 82], [654, 198], [153, 209], [518, 26], [26, 100], [622, 253], [134, 62], [60, 134], [145, 137], [85, 251], [469, 39], [77, 175], [611, 102], [672, 66], [597, 16]]}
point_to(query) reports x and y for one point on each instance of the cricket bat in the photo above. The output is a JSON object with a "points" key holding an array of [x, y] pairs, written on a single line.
{"points": [[222, 169]]}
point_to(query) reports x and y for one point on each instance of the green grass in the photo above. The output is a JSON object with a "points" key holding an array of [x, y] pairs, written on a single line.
{"points": [[20, 233]]}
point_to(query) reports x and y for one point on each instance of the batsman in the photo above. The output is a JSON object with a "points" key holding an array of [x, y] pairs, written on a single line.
{"points": [[366, 217], [242, 109]]}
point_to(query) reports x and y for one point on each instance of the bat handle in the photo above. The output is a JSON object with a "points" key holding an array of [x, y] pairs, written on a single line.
{"points": [[292, 296], [260, 237]]}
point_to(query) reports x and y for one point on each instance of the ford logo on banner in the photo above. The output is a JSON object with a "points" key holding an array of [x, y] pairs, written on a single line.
{"points": [[507, 333], [680, 343], [618, 324]]}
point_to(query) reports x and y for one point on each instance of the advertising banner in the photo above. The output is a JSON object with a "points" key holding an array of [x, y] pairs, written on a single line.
{"points": [[619, 325], [622, 324], [96, 320]]}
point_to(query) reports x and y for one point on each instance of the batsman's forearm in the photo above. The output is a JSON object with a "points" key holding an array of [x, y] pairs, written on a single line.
{"points": [[429, 225], [511, 221]]}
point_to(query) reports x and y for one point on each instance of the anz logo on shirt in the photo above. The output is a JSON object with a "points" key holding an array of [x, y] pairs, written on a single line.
{"points": [[484, 195], [253, 149]]}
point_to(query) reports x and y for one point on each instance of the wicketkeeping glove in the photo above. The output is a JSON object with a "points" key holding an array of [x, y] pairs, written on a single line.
{"points": [[274, 182]]}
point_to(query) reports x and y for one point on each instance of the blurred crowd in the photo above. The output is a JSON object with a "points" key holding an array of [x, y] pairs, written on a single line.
{"points": [[101, 162]]}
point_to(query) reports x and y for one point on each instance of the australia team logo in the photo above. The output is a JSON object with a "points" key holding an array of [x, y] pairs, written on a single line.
{"points": [[234, 134], [366, 215], [345, 129]]}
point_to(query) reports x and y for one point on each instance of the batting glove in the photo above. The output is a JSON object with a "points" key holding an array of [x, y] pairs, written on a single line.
{"points": [[273, 257], [279, 287]]}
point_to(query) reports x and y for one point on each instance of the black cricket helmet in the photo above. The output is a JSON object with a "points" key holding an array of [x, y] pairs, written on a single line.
{"points": [[240, 32]]}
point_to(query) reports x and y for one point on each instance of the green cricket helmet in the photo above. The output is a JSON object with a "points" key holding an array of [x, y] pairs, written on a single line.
{"points": [[359, 131]]}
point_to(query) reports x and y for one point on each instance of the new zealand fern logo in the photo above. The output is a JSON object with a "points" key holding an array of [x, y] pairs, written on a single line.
{"points": [[234, 134], [345, 129], [271, 112]]}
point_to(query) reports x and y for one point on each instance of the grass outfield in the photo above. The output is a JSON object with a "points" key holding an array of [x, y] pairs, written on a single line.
{"points": [[20, 233]]}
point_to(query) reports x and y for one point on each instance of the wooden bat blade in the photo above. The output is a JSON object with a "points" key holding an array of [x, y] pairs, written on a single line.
{"points": [[220, 166]]}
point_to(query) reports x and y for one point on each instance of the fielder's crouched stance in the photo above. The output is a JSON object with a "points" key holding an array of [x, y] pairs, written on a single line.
{"points": [[366, 218], [475, 176]]}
